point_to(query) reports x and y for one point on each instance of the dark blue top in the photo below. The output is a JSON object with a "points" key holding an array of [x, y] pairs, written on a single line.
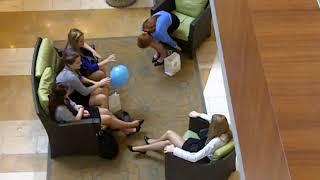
{"points": [[164, 21]]}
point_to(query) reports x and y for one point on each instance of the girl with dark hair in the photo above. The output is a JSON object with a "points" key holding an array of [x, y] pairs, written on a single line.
{"points": [[62, 109], [94, 95], [193, 150], [92, 65]]}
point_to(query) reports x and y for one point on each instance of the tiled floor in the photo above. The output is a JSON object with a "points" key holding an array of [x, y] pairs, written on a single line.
{"points": [[23, 141], [53, 5]]}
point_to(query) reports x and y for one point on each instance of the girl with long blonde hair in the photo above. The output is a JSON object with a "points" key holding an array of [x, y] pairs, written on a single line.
{"points": [[93, 66], [217, 135]]}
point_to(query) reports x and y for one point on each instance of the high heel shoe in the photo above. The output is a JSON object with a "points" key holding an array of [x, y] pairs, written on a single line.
{"points": [[139, 127], [157, 63], [154, 59], [146, 139], [131, 149]]}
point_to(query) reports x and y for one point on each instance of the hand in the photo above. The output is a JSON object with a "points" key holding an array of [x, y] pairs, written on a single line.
{"points": [[79, 106], [111, 58], [194, 114], [169, 148], [105, 81], [178, 48], [86, 113]]}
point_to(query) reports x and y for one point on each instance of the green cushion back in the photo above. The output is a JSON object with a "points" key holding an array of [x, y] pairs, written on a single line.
{"points": [[223, 151], [183, 30], [47, 57], [190, 134], [45, 85], [190, 7]]}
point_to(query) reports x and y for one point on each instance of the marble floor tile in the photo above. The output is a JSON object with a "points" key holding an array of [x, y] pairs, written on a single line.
{"points": [[23, 163], [16, 98], [19, 128], [37, 5], [11, 5], [42, 144], [19, 145], [23, 175], [20, 29], [66, 4]]}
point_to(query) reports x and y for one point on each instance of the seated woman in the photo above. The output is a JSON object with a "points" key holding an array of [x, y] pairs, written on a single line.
{"points": [[92, 67], [62, 109], [145, 40], [94, 95], [217, 135]]}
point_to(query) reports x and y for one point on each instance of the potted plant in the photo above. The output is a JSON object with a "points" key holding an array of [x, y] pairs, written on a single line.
{"points": [[120, 3]]}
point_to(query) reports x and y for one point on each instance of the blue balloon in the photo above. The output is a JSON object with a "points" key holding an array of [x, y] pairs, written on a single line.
{"points": [[119, 75]]}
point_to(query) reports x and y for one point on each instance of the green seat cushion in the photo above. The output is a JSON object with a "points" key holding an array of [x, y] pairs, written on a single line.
{"points": [[223, 151], [190, 134], [47, 57], [183, 30], [190, 7], [46, 82]]}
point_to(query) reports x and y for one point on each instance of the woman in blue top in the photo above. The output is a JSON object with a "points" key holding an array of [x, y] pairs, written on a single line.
{"points": [[92, 65], [160, 26]]}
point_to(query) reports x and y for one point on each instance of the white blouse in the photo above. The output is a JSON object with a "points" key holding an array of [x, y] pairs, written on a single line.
{"points": [[208, 150]]}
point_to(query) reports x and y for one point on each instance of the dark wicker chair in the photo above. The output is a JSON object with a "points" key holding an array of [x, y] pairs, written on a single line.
{"points": [[176, 168], [200, 28], [64, 139]]}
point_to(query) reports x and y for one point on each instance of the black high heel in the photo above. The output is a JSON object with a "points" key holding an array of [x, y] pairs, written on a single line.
{"points": [[139, 127], [146, 139], [157, 63], [131, 149], [155, 59]]}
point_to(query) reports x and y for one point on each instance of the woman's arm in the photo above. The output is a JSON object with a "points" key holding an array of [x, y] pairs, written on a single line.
{"points": [[87, 81], [83, 90], [196, 156], [195, 114], [94, 52], [111, 58], [78, 117]]}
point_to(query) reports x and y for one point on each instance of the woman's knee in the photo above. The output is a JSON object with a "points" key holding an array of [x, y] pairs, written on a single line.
{"points": [[169, 132], [105, 119], [104, 111], [98, 75]]}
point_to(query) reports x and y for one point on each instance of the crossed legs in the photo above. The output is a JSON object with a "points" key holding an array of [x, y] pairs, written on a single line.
{"points": [[168, 138]]}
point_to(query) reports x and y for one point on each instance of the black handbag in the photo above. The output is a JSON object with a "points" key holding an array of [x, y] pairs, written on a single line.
{"points": [[108, 145]]}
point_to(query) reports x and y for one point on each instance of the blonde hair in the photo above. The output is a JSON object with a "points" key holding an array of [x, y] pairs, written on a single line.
{"points": [[218, 126], [73, 39], [144, 40]]}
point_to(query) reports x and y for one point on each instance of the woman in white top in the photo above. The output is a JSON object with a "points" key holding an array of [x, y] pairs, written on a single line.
{"points": [[217, 135]]}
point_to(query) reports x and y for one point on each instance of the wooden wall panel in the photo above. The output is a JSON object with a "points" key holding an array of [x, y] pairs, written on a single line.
{"points": [[261, 147], [289, 46], [275, 5]]}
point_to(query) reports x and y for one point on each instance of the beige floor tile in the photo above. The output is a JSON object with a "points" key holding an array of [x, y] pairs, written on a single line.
{"points": [[11, 5], [16, 98], [94, 4], [23, 163], [19, 128], [24, 176], [1, 145], [19, 145], [20, 29], [42, 144], [142, 4], [37, 5], [16, 61], [66, 4]]}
